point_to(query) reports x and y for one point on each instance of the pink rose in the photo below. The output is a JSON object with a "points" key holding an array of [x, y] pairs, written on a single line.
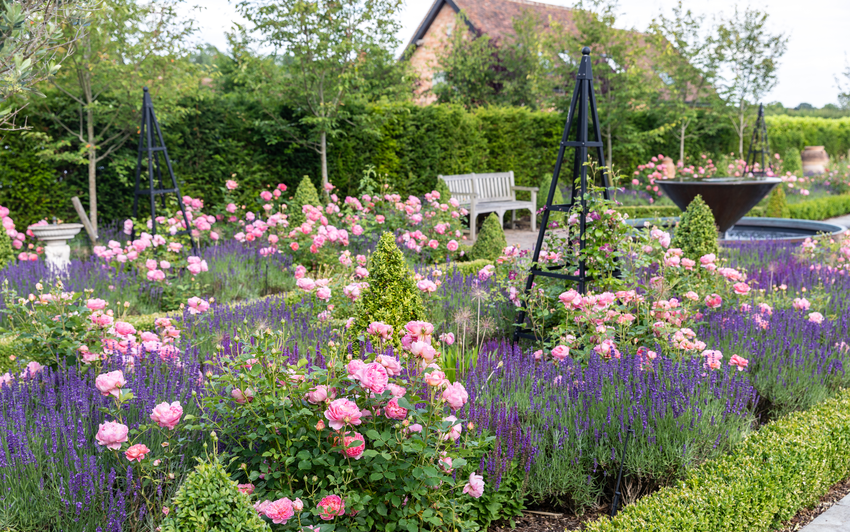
{"points": [[354, 368], [331, 506], [167, 415], [426, 286], [741, 288], [713, 301], [374, 377], [231, 184], [31, 369], [740, 362], [393, 411], [379, 328], [247, 489], [391, 364], [110, 383], [447, 339], [436, 377], [801, 304], [96, 304], [112, 434], [136, 452], [396, 390], [124, 329], [279, 511], [475, 487], [415, 427], [306, 284], [455, 429], [561, 352], [455, 395], [816, 317], [320, 394], [323, 293], [355, 451], [342, 412], [452, 245], [197, 305]]}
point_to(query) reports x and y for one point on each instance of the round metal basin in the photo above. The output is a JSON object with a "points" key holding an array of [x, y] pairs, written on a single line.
{"points": [[747, 228]]}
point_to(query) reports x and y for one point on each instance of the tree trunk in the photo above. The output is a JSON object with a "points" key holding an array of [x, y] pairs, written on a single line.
{"points": [[741, 129], [92, 169], [610, 147], [324, 159], [682, 143]]}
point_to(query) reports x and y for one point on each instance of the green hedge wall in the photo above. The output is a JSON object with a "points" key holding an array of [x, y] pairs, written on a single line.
{"points": [[786, 132], [814, 209], [784, 467]]}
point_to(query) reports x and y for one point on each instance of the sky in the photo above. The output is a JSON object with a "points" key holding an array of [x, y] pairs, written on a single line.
{"points": [[818, 48]]}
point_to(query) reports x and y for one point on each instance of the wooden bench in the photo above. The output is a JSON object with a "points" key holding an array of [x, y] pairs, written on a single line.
{"points": [[484, 193]]}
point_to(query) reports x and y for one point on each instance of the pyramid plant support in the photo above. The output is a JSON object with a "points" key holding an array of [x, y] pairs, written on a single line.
{"points": [[582, 110], [151, 146], [759, 146]]}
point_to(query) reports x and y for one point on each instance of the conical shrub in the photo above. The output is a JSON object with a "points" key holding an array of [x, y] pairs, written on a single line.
{"points": [[491, 240], [696, 233], [392, 296], [305, 194], [777, 205], [7, 254]]}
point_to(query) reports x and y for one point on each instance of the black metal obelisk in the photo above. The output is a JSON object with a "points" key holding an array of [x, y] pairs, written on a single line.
{"points": [[581, 115], [759, 146], [151, 146]]}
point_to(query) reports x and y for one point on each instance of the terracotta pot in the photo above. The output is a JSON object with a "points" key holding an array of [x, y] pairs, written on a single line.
{"points": [[814, 160], [669, 168]]}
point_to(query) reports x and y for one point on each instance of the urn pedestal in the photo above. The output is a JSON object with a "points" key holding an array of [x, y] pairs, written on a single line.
{"points": [[57, 252]]}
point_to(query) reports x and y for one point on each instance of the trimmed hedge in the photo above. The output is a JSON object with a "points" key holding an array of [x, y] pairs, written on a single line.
{"points": [[788, 133], [814, 209], [469, 268], [765, 480]]}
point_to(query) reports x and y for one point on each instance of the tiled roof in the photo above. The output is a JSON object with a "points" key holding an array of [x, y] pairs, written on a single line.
{"points": [[495, 17]]}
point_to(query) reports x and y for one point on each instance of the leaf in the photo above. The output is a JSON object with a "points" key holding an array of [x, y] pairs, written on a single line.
{"points": [[382, 509]]}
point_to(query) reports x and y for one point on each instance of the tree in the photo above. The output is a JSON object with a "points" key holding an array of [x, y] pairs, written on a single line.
{"points": [[33, 46], [749, 59], [325, 51], [686, 63], [621, 78], [133, 45], [844, 86]]}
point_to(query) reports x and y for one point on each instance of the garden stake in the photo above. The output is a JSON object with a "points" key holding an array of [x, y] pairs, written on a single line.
{"points": [[148, 147], [616, 500]]}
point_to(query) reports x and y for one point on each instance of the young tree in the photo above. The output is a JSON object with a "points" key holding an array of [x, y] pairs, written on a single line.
{"points": [[33, 46], [134, 44], [686, 62], [749, 59], [844, 86], [325, 49]]}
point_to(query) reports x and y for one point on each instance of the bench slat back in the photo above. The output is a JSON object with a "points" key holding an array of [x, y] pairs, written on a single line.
{"points": [[488, 187]]}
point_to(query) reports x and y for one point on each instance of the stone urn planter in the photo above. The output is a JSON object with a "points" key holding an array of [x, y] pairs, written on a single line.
{"points": [[57, 252], [814, 160]]}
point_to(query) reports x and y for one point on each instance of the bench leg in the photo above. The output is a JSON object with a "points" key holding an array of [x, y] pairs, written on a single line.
{"points": [[533, 220], [513, 219], [472, 222]]}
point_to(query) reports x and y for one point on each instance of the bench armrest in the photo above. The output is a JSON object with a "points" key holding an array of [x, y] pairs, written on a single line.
{"points": [[527, 189]]}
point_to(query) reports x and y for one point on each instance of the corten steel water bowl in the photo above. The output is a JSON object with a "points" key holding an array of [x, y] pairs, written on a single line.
{"points": [[729, 198]]}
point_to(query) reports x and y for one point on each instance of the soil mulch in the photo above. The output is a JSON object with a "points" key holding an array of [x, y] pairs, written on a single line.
{"points": [[553, 521], [807, 515]]}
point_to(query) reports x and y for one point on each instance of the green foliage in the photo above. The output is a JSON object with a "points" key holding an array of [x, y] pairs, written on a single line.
{"points": [[777, 207], [305, 194], [784, 467], [208, 500], [696, 233], [787, 132], [470, 268], [29, 185], [792, 162], [543, 194], [821, 208], [491, 240], [504, 503], [9, 347], [7, 254], [443, 189], [392, 296]]}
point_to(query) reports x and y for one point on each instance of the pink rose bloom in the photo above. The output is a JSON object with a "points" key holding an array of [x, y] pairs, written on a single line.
{"points": [[167, 415], [266, 195], [306, 284], [475, 487], [705, 260], [393, 411], [136, 452], [801, 303], [426, 286], [693, 296], [231, 208], [740, 362], [396, 390], [354, 368], [231, 184], [420, 330], [197, 305], [242, 397], [124, 329], [374, 377], [320, 394], [361, 272], [300, 272], [247, 489], [452, 245], [447, 339], [110, 383], [95, 304], [342, 412], [561, 352], [379, 328], [331, 506], [816, 317], [356, 451], [380, 218], [357, 230], [415, 427], [713, 301], [112, 434], [151, 264], [324, 293], [741, 288], [436, 377], [570, 297], [455, 395], [279, 511], [391, 364]]}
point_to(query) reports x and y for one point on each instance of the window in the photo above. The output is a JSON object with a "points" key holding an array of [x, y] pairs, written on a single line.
{"points": [[438, 78], [665, 77]]}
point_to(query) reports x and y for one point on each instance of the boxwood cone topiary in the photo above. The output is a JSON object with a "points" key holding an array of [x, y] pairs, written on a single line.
{"points": [[392, 296], [777, 206], [209, 500], [305, 194], [7, 254], [443, 189], [491, 240], [696, 233]]}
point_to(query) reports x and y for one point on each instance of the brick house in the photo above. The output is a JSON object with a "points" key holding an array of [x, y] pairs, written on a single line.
{"points": [[492, 17]]}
